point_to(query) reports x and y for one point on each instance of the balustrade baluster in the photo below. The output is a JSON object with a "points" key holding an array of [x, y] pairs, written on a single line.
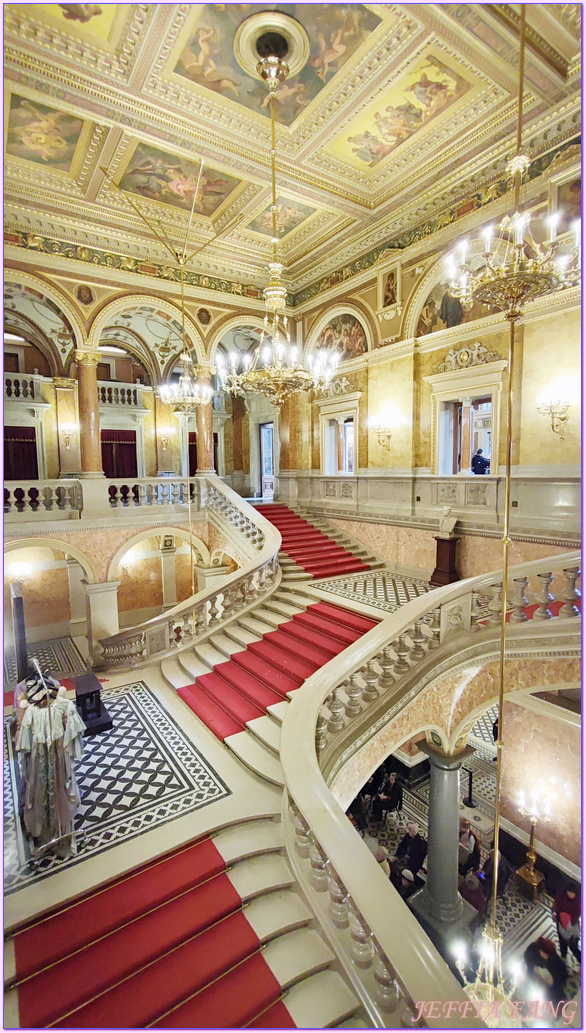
{"points": [[402, 650], [319, 871], [353, 690], [302, 834], [337, 710], [142, 493], [362, 949], [387, 994], [338, 902], [321, 727], [214, 610], [495, 604], [118, 496], [475, 609], [544, 598], [201, 618], [387, 663], [519, 600], [570, 593], [435, 627], [418, 639], [370, 676]]}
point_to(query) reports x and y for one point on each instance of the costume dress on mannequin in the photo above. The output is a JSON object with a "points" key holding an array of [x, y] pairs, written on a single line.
{"points": [[49, 740]]}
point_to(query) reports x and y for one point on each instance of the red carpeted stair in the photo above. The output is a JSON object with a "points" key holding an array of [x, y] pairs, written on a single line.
{"points": [[308, 547], [242, 689], [166, 946]]}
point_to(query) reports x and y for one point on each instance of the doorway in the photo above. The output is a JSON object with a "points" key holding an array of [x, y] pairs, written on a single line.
{"points": [[267, 468]]}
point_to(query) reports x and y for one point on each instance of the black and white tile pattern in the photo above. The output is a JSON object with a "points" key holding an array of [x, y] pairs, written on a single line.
{"points": [[60, 656], [380, 588], [136, 777]]}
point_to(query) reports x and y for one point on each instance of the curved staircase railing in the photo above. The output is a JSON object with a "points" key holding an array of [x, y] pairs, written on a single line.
{"points": [[390, 962], [257, 542]]}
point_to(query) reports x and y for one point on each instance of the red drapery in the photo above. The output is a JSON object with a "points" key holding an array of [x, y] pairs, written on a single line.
{"points": [[20, 454], [119, 453]]}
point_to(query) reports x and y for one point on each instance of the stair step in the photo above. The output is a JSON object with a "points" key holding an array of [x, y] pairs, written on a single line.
{"points": [[192, 665], [322, 1000], [271, 618], [275, 912], [246, 838], [347, 617], [319, 639], [268, 731], [174, 673], [293, 597], [278, 710], [209, 654], [256, 756], [257, 875], [218, 720], [226, 696], [334, 568], [240, 635], [296, 955], [296, 575], [282, 659], [224, 643], [285, 639], [335, 630], [283, 607], [254, 625], [248, 685], [266, 672]]}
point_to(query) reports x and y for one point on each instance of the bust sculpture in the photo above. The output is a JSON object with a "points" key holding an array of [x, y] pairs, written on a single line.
{"points": [[447, 522]]}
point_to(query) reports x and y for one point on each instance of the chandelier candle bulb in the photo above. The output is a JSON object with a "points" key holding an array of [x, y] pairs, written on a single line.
{"points": [[553, 223], [487, 234]]}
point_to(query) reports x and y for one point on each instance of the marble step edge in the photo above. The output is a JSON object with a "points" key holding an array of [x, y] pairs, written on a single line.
{"points": [[256, 756]]}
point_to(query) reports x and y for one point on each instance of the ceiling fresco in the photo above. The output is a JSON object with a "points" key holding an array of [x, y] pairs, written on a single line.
{"points": [[335, 32], [344, 335], [172, 180], [401, 120]]}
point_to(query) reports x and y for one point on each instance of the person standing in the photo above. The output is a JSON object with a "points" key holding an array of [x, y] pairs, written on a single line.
{"points": [[566, 912], [479, 463]]}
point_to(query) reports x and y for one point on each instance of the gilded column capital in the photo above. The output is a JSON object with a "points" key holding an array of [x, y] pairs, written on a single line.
{"points": [[65, 382], [204, 372], [87, 358]]}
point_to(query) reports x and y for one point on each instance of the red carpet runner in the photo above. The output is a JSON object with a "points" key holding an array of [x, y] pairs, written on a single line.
{"points": [[308, 547], [168, 946], [242, 688]]}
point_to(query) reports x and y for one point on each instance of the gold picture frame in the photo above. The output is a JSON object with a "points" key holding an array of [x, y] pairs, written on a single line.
{"points": [[389, 288], [565, 197]]}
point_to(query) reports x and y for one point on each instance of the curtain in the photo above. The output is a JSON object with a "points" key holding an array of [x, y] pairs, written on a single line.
{"points": [[20, 454], [192, 454], [119, 453]]}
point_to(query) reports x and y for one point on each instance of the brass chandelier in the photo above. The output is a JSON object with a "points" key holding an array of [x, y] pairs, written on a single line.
{"points": [[516, 270], [275, 369]]}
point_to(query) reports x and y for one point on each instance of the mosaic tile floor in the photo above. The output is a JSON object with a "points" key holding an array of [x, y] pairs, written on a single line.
{"points": [[380, 588], [136, 777], [59, 655]]}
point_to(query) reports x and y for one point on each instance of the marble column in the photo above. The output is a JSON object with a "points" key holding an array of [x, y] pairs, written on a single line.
{"points": [[67, 426], [439, 903], [204, 425], [102, 614], [77, 596], [466, 433], [89, 414], [168, 575], [340, 444]]}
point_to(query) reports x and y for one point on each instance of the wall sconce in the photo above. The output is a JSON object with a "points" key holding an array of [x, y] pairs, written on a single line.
{"points": [[537, 808], [557, 411], [383, 435], [165, 434], [68, 429]]}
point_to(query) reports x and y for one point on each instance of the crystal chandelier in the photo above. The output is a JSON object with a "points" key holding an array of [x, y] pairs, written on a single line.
{"points": [[275, 369], [517, 269], [185, 395]]}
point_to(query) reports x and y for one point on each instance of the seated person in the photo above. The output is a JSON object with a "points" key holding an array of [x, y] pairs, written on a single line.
{"points": [[468, 849], [545, 966], [381, 856], [412, 850], [405, 883], [487, 875], [470, 890], [390, 798]]}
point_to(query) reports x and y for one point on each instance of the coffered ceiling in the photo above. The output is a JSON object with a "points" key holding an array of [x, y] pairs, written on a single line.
{"points": [[401, 110]]}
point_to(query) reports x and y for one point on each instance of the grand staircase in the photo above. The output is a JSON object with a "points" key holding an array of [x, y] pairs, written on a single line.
{"points": [[315, 548], [214, 935]]}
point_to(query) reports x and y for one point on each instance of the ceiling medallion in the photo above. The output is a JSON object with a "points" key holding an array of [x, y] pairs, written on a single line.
{"points": [[271, 33]]}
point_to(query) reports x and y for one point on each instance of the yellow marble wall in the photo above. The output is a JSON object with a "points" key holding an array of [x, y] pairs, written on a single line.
{"points": [[551, 364], [390, 402], [45, 592], [141, 585], [542, 751]]}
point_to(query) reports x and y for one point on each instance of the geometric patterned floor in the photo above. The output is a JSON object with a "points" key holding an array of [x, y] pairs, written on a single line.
{"points": [[60, 656], [380, 588], [139, 775]]}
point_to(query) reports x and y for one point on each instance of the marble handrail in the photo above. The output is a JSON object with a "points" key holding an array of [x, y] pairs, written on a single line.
{"points": [[207, 611], [390, 961], [59, 498]]}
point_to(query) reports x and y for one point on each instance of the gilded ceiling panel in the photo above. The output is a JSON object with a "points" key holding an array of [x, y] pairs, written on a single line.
{"points": [[172, 180], [42, 134], [335, 32], [290, 215]]}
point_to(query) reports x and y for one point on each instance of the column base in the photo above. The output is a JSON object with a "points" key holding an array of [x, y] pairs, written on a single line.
{"points": [[92, 473], [443, 930]]}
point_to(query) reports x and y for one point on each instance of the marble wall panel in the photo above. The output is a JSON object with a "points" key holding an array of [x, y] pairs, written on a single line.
{"points": [[45, 596], [141, 585]]}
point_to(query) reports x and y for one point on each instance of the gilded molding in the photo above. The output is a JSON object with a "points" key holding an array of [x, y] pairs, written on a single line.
{"points": [[66, 383], [87, 358]]}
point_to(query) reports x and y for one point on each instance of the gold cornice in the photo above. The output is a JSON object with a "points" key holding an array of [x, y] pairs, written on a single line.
{"points": [[85, 358]]}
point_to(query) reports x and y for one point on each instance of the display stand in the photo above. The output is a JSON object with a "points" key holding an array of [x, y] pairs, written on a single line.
{"points": [[89, 703], [445, 572]]}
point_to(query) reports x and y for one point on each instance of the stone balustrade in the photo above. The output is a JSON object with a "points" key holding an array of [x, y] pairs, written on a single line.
{"points": [[58, 499], [390, 962], [150, 491], [207, 611], [111, 393], [22, 387]]}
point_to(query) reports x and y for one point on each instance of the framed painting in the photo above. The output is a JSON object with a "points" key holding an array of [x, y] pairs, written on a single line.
{"points": [[565, 198], [389, 287]]}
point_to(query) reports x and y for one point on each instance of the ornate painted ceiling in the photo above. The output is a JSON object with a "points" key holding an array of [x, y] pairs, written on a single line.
{"points": [[401, 111]]}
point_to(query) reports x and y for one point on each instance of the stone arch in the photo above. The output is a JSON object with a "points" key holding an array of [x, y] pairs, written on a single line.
{"points": [[126, 301], [59, 299], [15, 322], [429, 280], [229, 324], [55, 543], [156, 532], [345, 308]]}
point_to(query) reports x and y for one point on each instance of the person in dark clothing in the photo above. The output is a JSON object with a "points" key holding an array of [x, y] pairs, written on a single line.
{"points": [[566, 912], [390, 798], [358, 811], [546, 967], [468, 849], [479, 464], [451, 311], [470, 890], [405, 883], [502, 875], [412, 850]]}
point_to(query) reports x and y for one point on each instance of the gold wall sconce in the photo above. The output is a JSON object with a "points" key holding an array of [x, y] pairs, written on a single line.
{"points": [[383, 436], [68, 430], [165, 434], [557, 412]]}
